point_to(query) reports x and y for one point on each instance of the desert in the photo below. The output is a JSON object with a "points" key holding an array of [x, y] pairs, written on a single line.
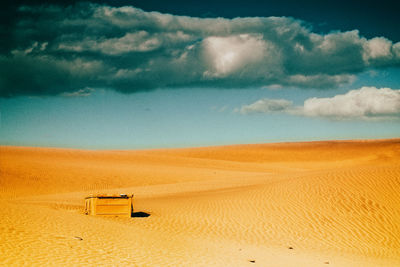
{"points": [[323, 203]]}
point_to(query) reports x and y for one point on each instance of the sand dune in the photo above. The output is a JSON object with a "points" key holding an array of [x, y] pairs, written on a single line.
{"points": [[290, 204]]}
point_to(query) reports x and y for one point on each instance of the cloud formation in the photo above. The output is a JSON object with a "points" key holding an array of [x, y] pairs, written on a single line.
{"points": [[363, 103], [58, 50], [267, 105]]}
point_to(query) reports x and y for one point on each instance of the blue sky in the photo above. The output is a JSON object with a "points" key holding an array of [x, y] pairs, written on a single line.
{"points": [[122, 77]]}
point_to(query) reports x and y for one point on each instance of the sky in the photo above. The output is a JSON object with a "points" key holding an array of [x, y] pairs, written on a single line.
{"points": [[154, 74]]}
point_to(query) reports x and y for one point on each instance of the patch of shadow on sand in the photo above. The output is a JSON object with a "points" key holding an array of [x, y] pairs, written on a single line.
{"points": [[140, 214]]}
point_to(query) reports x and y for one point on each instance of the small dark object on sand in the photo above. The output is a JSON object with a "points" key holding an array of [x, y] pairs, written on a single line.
{"points": [[290, 247], [140, 214], [252, 261], [78, 238], [327, 262]]}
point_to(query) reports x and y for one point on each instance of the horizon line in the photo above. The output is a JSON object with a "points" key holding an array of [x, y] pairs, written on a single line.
{"points": [[361, 140]]}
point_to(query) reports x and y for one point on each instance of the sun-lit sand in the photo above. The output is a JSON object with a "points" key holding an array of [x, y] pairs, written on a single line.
{"points": [[290, 204]]}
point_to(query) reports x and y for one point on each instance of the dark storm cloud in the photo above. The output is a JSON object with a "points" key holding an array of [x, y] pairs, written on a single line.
{"points": [[55, 49]]}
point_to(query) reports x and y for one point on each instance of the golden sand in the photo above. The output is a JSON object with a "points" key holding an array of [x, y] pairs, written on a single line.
{"points": [[290, 204]]}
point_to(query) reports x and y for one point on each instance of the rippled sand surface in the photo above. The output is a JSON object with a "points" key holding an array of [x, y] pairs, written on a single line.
{"points": [[289, 204]]}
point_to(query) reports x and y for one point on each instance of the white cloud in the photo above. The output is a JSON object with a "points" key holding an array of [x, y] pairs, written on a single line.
{"points": [[364, 103], [378, 48], [266, 105], [227, 54]]}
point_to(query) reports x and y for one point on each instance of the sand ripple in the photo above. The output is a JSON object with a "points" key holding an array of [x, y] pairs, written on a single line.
{"points": [[302, 204]]}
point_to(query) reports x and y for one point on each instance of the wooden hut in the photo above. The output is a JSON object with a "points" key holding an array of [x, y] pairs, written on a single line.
{"points": [[109, 205]]}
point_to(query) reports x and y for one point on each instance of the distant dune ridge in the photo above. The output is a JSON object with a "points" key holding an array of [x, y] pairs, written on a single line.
{"points": [[328, 203]]}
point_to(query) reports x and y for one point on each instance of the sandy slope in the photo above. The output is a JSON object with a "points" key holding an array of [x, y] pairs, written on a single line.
{"points": [[294, 204]]}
